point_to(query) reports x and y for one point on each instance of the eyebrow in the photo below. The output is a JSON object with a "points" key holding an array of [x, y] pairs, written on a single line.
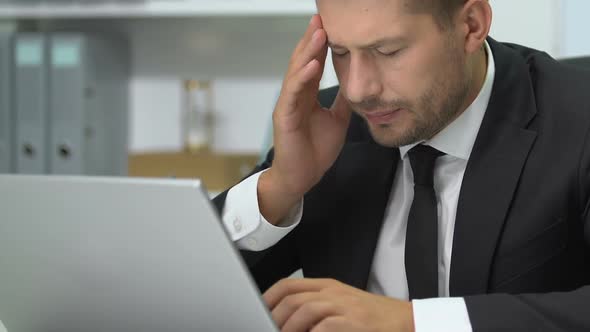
{"points": [[375, 44]]}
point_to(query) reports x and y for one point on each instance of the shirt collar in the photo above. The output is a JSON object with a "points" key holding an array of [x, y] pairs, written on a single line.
{"points": [[458, 138]]}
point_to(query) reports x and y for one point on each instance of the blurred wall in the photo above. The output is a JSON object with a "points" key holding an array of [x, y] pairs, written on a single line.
{"points": [[576, 26], [534, 23]]}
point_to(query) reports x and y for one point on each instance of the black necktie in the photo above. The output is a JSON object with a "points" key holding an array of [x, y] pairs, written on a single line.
{"points": [[421, 257]]}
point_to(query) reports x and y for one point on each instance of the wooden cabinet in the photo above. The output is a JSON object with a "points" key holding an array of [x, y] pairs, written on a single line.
{"points": [[218, 172]]}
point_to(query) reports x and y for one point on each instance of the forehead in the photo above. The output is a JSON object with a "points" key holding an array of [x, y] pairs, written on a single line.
{"points": [[356, 22], [354, 10]]}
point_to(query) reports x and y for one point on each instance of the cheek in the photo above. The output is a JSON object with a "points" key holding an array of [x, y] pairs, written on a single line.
{"points": [[401, 79], [418, 72], [406, 75]]}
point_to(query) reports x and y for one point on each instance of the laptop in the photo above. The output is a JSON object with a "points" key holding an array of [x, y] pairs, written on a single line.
{"points": [[119, 254]]}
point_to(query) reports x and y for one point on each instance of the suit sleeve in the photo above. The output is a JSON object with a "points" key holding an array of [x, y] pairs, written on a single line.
{"points": [[558, 311]]}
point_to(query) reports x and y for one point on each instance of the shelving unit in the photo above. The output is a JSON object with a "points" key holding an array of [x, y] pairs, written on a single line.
{"points": [[155, 9], [243, 46]]}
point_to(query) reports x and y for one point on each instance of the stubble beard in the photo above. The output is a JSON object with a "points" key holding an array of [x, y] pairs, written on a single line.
{"points": [[448, 96]]}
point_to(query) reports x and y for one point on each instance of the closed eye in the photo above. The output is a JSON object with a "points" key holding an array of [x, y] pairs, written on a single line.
{"points": [[339, 54], [388, 54]]}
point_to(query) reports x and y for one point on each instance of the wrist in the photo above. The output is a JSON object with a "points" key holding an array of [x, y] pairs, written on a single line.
{"points": [[272, 182], [274, 200]]}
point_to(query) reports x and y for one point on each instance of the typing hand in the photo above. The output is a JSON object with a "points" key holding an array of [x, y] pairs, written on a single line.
{"points": [[316, 305]]}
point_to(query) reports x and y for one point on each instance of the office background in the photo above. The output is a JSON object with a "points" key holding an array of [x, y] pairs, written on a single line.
{"points": [[241, 50]]}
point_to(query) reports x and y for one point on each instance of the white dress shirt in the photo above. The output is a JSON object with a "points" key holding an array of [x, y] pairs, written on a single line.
{"points": [[251, 231]]}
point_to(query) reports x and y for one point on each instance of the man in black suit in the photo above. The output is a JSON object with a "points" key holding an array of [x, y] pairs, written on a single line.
{"points": [[450, 170]]}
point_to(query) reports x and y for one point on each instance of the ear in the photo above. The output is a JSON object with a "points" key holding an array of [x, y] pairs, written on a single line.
{"points": [[475, 20]]}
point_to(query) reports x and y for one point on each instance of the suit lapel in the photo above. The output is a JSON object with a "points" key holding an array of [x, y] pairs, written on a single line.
{"points": [[367, 171], [492, 174]]}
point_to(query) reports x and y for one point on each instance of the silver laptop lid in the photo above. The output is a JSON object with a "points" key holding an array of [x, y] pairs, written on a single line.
{"points": [[105, 254]]}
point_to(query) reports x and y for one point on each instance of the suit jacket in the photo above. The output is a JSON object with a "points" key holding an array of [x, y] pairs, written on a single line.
{"points": [[521, 248]]}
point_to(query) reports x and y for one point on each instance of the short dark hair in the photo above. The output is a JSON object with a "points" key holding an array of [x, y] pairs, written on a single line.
{"points": [[443, 11]]}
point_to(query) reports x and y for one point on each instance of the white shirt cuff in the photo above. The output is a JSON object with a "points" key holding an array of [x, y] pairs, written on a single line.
{"points": [[441, 315], [245, 224]]}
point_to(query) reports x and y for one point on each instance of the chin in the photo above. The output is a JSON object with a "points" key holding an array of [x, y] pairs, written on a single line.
{"points": [[388, 139], [402, 131], [393, 136]]}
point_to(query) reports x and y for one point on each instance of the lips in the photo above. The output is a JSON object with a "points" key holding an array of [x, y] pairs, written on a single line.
{"points": [[381, 117]]}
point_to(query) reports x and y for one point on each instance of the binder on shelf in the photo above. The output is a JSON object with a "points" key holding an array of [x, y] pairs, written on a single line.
{"points": [[67, 120], [88, 104], [6, 112], [30, 103]]}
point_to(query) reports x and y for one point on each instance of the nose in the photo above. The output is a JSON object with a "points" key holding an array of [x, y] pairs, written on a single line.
{"points": [[364, 80]]}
